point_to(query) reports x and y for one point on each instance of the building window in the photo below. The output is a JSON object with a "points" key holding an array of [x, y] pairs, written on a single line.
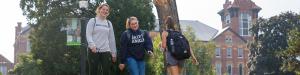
{"points": [[228, 40], [28, 47], [245, 22], [227, 20], [218, 52], [229, 52], [3, 69], [218, 69], [240, 52], [229, 69], [240, 69]]}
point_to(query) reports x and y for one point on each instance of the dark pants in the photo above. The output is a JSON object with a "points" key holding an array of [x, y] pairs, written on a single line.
{"points": [[100, 63]]}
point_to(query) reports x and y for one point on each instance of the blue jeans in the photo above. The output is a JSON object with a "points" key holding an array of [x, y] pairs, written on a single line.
{"points": [[136, 67]]}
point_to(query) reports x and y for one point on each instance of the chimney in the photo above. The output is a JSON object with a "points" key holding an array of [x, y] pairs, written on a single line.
{"points": [[226, 4], [18, 29]]}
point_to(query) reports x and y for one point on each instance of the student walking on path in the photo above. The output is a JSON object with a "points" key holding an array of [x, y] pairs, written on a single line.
{"points": [[101, 42], [135, 43], [175, 63]]}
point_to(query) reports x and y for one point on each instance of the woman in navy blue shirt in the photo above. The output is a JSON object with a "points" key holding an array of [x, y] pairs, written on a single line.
{"points": [[134, 44]]}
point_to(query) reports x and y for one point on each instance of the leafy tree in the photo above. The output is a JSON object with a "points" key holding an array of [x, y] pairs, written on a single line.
{"points": [[123, 9], [155, 64], [28, 66], [204, 53], [270, 38], [290, 61], [46, 18]]}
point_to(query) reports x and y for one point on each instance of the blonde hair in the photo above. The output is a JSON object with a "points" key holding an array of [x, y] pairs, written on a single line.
{"points": [[129, 20], [100, 6], [127, 23]]}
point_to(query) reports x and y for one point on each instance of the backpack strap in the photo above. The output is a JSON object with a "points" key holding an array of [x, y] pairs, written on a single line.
{"points": [[94, 23], [128, 33], [109, 24]]}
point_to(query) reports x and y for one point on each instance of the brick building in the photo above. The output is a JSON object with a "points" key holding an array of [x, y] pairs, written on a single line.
{"points": [[22, 43], [5, 65], [231, 54]]}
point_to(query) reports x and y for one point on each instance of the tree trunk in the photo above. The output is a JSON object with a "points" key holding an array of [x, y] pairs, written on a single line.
{"points": [[164, 9]]}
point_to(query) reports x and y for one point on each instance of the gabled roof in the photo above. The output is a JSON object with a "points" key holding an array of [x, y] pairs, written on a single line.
{"points": [[4, 60], [221, 31], [203, 32], [228, 29], [25, 30], [238, 3]]}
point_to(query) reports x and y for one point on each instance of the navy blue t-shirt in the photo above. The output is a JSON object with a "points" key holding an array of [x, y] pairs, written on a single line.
{"points": [[135, 44]]}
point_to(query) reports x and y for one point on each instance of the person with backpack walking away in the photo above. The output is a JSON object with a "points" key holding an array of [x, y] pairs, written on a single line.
{"points": [[176, 47], [135, 43], [101, 42]]}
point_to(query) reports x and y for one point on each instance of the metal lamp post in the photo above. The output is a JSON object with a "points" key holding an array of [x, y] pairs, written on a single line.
{"points": [[83, 5]]}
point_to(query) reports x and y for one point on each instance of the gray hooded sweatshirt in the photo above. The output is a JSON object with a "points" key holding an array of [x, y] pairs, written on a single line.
{"points": [[101, 36]]}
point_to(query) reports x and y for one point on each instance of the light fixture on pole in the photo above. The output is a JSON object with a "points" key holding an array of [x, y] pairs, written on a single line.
{"points": [[83, 5]]}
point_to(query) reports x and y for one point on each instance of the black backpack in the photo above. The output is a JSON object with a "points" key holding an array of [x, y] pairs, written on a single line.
{"points": [[178, 45]]}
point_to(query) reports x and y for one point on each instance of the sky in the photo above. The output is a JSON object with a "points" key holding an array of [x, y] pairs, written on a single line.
{"points": [[204, 11]]}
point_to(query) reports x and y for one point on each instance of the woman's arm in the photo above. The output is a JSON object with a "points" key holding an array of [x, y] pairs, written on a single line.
{"points": [[194, 59], [124, 47], [89, 31], [112, 43], [148, 42], [164, 39]]}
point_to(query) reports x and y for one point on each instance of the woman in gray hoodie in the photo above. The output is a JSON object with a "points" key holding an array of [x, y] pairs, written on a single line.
{"points": [[101, 42]]}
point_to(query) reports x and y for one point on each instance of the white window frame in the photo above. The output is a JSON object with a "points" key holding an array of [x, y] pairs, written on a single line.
{"points": [[227, 20], [28, 46], [240, 70], [227, 73], [228, 40], [229, 52], [3, 69], [245, 18], [240, 52], [218, 52], [218, 69]]}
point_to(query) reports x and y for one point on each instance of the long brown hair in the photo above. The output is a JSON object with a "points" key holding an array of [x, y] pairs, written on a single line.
{"points": [[170, 23]]}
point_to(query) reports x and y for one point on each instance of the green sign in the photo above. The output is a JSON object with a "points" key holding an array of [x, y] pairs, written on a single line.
{"points": [[73, 31]]}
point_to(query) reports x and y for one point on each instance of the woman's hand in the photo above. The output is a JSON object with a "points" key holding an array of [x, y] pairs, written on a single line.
{"points": [[114, 59], [122, 66], [94, 50], [195, 61], [151, 54]]}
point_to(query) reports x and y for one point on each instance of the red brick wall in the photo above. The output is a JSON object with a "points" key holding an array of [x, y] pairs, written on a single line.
{"points": [[234, 60], [20, 45], [243, 6]]}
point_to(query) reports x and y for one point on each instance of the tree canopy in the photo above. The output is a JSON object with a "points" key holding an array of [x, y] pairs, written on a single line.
{"points": [[271, 38], [47, 17]]}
